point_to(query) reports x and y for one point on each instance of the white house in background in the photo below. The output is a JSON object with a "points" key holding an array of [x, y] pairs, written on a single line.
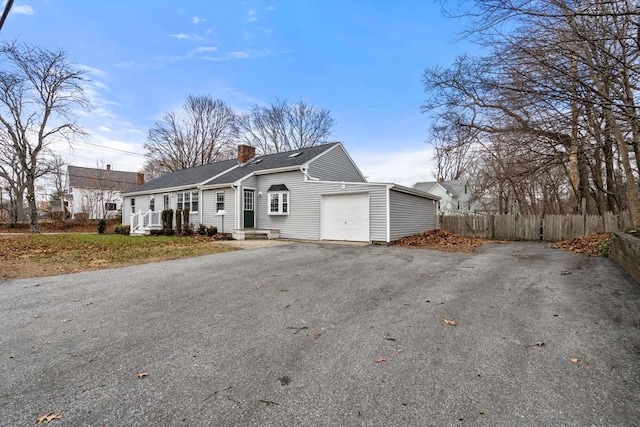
{"points": [[315, 193], [455, 196], [97, 193]]}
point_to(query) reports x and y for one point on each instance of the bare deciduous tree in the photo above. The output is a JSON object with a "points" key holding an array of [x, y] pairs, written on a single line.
{"points": [[563, 102], [38, 91], [284, 126], [203, 133]]}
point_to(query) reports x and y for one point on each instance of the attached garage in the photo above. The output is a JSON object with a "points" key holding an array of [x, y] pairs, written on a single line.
{"points": [[345, 217]]}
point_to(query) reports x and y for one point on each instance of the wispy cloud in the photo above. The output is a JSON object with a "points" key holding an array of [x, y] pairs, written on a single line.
{"points": [[196, 20], [104, 129], [21, 9], [252, 16], [201, 49], [271, 8], [192, 37], [238, 54]]}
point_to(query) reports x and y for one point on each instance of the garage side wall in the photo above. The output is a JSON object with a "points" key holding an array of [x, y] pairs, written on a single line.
{"points": [[410, 214]]}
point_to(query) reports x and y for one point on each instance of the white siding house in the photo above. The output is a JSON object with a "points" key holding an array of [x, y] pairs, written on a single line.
{"points": [[315, 193], [97, 193]]}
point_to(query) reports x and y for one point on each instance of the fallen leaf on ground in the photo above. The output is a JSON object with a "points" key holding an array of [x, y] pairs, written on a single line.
{"points": [[449, 322], [381, 360], [65, 321], [46, 419], [142, 375], [576, 360], [317, 335], [389, 337], [269, 402]]}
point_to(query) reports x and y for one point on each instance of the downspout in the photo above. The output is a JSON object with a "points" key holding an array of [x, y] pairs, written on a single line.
{"points": [[307, 177], [236, 220], [388, 215]]}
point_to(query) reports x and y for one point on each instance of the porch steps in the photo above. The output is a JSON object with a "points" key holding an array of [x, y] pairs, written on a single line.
{"points": [[255, 234]]}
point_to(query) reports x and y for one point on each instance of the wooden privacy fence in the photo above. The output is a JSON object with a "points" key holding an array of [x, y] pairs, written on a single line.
{"points": [[551, 228]]}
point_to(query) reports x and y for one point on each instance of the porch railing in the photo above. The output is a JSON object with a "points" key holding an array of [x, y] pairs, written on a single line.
{"points": [[143, 221]]}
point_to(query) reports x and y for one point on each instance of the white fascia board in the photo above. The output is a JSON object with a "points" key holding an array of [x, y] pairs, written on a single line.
{"points": [[215, 186], [413, 191], [161, 190], [219, 175], [276, 170]]}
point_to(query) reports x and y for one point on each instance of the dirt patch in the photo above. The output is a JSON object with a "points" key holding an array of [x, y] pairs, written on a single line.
{"points": [[593, 244], [443, 240]]}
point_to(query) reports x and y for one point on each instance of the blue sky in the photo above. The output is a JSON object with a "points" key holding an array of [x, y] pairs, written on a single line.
{"points": [[361, 60]]}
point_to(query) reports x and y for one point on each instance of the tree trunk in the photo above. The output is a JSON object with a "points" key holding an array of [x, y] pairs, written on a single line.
{"points": [[31, 200]]}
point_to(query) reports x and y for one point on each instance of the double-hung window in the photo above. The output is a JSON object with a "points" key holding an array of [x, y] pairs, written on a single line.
{"points": [[152, 203], [165, 202], [220, 201], [188, 200], [278, 200], [133, 205]]}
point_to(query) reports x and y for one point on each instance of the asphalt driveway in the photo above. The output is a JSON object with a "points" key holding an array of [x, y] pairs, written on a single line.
{"points": [[318, 334]]}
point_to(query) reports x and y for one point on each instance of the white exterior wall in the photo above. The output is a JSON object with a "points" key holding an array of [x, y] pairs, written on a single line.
{"points": [[303, 221], [410, 214], [208, 208], [92, 202]]}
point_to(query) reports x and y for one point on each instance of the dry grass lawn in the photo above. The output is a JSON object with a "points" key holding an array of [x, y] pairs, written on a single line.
{"points": [[37, 255]]}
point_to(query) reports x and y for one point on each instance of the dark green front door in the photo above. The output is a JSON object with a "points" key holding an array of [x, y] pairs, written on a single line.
{"points": [[248, 209]]}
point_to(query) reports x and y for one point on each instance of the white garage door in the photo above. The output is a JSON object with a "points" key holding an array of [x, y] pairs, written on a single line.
{"points": [[345, 217]]}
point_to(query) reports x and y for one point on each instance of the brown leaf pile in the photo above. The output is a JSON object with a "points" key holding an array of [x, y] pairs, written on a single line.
{"points": [[442, 240], [591, 244]]}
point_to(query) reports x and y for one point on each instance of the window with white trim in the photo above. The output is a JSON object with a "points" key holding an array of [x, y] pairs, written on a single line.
{"points": [[278, 200], [133, 205], [219, 201], [166, 201], [278, 203], [152, 203], [188, 200]]}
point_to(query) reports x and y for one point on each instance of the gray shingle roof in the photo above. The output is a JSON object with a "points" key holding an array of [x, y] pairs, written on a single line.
{"points": [[199, 174], [424, 186], [190, 176], [101, 179], [272, 161]]}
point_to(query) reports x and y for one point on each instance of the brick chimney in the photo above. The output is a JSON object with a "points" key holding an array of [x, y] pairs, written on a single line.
{"points": [[440, 180], [245, 153], [139, 178], [108, 167]]}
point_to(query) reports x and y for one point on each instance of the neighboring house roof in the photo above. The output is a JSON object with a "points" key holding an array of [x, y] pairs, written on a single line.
{"points": [[228, 171], [455, 187], [425, 186], [101, 179]]}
